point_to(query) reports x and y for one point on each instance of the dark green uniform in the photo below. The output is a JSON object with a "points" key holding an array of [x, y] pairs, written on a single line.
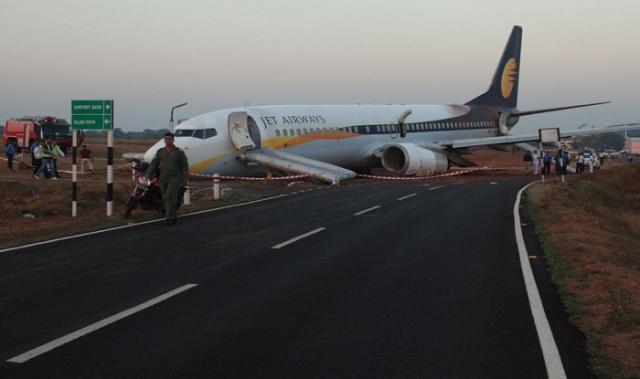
{"points": [[174, 170]]}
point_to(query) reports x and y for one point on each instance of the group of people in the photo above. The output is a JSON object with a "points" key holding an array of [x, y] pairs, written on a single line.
{"points": [[169, 164], [44, 159], [561, 160]]}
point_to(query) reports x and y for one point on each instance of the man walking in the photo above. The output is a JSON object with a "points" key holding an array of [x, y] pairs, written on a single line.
{"points": [[172, 163], [536, 162], [36, 158], [10, 150], [47, 161], [546, 160], [527, 162]]}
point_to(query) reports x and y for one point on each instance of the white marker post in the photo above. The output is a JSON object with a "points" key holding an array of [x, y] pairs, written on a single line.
{"points": [[216, 186], [187, 195], [74, 175]]}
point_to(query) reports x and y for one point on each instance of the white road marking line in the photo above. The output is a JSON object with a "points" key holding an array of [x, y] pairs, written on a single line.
{"points": [[550, 353], [367, 210], [139, 223], [98, 325], [289, 242], [435, 188], [493, 183], [406, 197]]}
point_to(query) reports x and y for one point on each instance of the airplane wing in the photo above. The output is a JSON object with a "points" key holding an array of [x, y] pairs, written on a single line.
{"points": [[297, 164], [533, 137]]}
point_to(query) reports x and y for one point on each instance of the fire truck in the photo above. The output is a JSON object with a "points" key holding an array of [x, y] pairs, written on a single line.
{"points": [[23, 132]]}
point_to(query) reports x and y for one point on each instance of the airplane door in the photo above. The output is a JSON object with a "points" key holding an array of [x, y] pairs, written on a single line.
{"points": [[239, 131]]}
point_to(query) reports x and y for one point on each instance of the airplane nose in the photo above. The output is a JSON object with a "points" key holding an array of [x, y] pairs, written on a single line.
{"points": [[148, 156]]}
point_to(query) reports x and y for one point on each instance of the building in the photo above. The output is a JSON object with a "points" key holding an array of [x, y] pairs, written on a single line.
{"points": [[632, 145]]}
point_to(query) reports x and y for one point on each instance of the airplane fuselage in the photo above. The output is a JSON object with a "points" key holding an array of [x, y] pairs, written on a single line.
{"points": [[344, 135]]}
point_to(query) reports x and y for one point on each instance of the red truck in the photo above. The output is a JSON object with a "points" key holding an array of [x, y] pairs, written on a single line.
{"points": [[47, 127]]}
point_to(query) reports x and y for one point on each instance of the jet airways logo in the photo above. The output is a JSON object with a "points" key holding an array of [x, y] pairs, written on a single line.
{"points": [[509, 77]]}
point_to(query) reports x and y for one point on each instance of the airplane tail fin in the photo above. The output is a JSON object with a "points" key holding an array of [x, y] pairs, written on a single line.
{"points": [[503, 91]]}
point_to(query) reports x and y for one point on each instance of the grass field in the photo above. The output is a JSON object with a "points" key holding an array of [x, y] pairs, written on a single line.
{"points": [[47, 204], [590, 231]]}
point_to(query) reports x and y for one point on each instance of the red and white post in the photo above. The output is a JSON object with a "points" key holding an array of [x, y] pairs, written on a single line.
{"points": [[216, 186]]}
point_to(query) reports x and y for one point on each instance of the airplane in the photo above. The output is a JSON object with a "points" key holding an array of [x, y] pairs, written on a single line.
{"points": [[333, 142]]}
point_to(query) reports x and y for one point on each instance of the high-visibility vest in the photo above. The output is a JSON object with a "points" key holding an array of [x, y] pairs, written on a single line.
{"points": [[47, 151]]}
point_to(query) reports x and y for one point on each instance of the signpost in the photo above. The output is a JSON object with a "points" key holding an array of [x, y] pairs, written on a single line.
{"points": [[93, 115]]}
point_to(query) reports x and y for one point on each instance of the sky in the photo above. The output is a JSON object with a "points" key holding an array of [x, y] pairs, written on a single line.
{"points": [[151, 55]]}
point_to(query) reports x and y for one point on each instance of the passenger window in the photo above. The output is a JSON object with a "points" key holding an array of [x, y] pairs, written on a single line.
{"points": [[299, 132], [277, 133], [304, 131], [293, 133], [284, 132]]}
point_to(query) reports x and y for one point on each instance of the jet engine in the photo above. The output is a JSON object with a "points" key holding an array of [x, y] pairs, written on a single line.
{"points": [[410, 159]]}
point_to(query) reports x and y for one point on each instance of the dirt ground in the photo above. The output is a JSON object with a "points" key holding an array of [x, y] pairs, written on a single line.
{"points": [[590, 230], [36, 210]]}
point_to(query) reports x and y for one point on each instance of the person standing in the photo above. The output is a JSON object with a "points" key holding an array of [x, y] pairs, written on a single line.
{"points": [[47, 160], [36, 158], [536, 162], [580, 163], [558, 159], [10, 150], [172, 163], [566, 159], [85, 158], [56, 152], [526, 161], [546, 160]]}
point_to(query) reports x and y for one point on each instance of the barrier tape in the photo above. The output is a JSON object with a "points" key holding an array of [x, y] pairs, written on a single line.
{"points": [[222, 177], [457, 171], [454, 173]]}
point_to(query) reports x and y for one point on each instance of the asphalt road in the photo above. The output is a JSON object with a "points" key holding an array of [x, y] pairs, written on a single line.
{"points": [[426, 286]]}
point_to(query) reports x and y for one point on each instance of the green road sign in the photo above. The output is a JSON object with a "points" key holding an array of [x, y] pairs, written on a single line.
{"points": [[92, 114]]}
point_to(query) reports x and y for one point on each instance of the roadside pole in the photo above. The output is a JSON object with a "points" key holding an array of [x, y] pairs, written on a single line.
{"points": [[110, 173], [74, 175]]}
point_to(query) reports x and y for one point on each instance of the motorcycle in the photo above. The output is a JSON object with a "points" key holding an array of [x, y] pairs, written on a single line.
{"points": [[146, 193]]}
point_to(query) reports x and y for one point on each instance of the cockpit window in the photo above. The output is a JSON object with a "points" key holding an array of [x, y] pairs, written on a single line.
{"points": [[208, 133], [183, 132], [198, 133]]}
